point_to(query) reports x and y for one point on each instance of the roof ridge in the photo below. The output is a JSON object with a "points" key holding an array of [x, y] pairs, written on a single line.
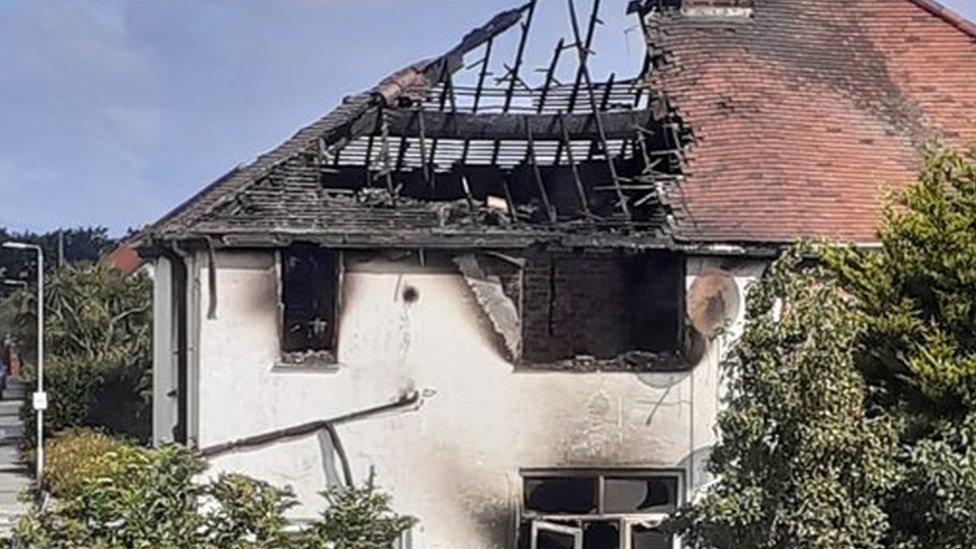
{"points": [[951, 16]]}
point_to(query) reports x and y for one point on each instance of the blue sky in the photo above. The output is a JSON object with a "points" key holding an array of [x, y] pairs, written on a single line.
{"points": [[114, 111]]}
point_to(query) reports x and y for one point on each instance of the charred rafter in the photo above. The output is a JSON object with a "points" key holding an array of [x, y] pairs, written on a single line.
{"points": [[616, 125], [551, 75], [513, 72], [584, 54], [565, 143], [537, 175], [586, 46], [555, 151]]}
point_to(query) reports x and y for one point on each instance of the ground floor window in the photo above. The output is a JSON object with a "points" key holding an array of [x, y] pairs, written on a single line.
{"points": [[598, 509]]}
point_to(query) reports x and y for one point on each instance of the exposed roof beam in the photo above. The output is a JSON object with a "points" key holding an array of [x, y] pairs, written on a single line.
{"points": [[446, 125]]}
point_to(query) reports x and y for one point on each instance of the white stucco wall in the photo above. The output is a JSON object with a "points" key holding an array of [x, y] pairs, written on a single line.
{"points": [[455, 462]]}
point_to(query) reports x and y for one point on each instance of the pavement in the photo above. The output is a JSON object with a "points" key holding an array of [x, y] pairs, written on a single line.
{"points": [[15, 476]]}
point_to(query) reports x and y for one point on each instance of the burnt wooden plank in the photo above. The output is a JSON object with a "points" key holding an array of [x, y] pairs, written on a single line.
{"points": [[505, 126]]}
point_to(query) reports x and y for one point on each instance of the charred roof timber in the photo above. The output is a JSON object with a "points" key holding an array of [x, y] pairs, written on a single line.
{"points": [[436, 147]]}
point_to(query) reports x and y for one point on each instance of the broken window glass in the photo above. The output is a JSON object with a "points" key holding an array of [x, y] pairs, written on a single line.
{"points": [[645, 537], [640, 495], [547, 535], [602, 493], [566, 495], [601, 534], [309, 281]]}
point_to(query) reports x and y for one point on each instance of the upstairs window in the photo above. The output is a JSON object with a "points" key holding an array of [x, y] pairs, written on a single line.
{"points": [[309, 287], [604, 308]]}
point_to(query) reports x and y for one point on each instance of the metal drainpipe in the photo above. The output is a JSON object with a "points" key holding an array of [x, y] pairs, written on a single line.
{"points": [[177, 259]]}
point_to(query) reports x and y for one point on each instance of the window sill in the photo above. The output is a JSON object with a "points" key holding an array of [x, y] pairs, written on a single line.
{"points": [[319, 362], [635, 362]]}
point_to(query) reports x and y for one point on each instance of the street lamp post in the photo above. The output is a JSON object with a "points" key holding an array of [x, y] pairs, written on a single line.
{"points": [[40, 397]]}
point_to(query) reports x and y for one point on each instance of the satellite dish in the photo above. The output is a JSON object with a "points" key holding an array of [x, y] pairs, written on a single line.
{"points": [[713, 303]]}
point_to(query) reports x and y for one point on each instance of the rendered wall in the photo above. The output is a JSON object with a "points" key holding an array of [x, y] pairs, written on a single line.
{"points": [[454, 463]]}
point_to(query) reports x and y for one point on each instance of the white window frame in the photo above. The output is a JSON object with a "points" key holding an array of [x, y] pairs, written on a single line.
{"points": [[651, 521], [626, 521], [543, 526]]}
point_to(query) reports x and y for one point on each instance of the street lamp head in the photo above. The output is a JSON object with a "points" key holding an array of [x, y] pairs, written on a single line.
{"points": [[17, 245]]}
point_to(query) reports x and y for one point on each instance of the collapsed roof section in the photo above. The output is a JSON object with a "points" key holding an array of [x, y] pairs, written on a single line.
{"points": [[464, 149]]}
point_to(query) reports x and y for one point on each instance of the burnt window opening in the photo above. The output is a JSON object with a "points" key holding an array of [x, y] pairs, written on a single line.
{"points": [[309, 287], [604, 307], [598, 510]]}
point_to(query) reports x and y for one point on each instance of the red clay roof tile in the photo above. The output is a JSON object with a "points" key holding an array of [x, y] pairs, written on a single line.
{"points": [[804, 113]]}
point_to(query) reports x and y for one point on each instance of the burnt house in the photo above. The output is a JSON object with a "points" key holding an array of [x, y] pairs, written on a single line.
{"points": [[507, 292]]}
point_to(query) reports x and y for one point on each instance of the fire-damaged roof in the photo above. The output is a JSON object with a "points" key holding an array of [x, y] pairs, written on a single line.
{"points": [[751, 121]]}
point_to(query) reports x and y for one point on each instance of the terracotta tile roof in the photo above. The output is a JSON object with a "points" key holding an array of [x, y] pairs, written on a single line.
{"points": [[124, 258], [804, 112], [949, 15]]}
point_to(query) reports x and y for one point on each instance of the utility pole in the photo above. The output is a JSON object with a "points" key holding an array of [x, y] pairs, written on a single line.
{"points": [[60, 248], [40, 397]]}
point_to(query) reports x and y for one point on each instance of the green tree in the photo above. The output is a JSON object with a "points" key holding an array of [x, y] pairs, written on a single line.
{"points": [[917, 297], [851, 420], [98, 358], [357, 518], [82, 244], [934, 506], [802, 462], [917, 292]]}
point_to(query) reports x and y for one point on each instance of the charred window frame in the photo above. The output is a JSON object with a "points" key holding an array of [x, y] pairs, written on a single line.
{"points": [[310, 287], [605, 508]]}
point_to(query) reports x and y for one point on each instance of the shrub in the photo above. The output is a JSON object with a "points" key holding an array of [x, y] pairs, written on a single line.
{"points": [[357, 519], [248, 513], [76, 458], [113, 494], [149, 499]]}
